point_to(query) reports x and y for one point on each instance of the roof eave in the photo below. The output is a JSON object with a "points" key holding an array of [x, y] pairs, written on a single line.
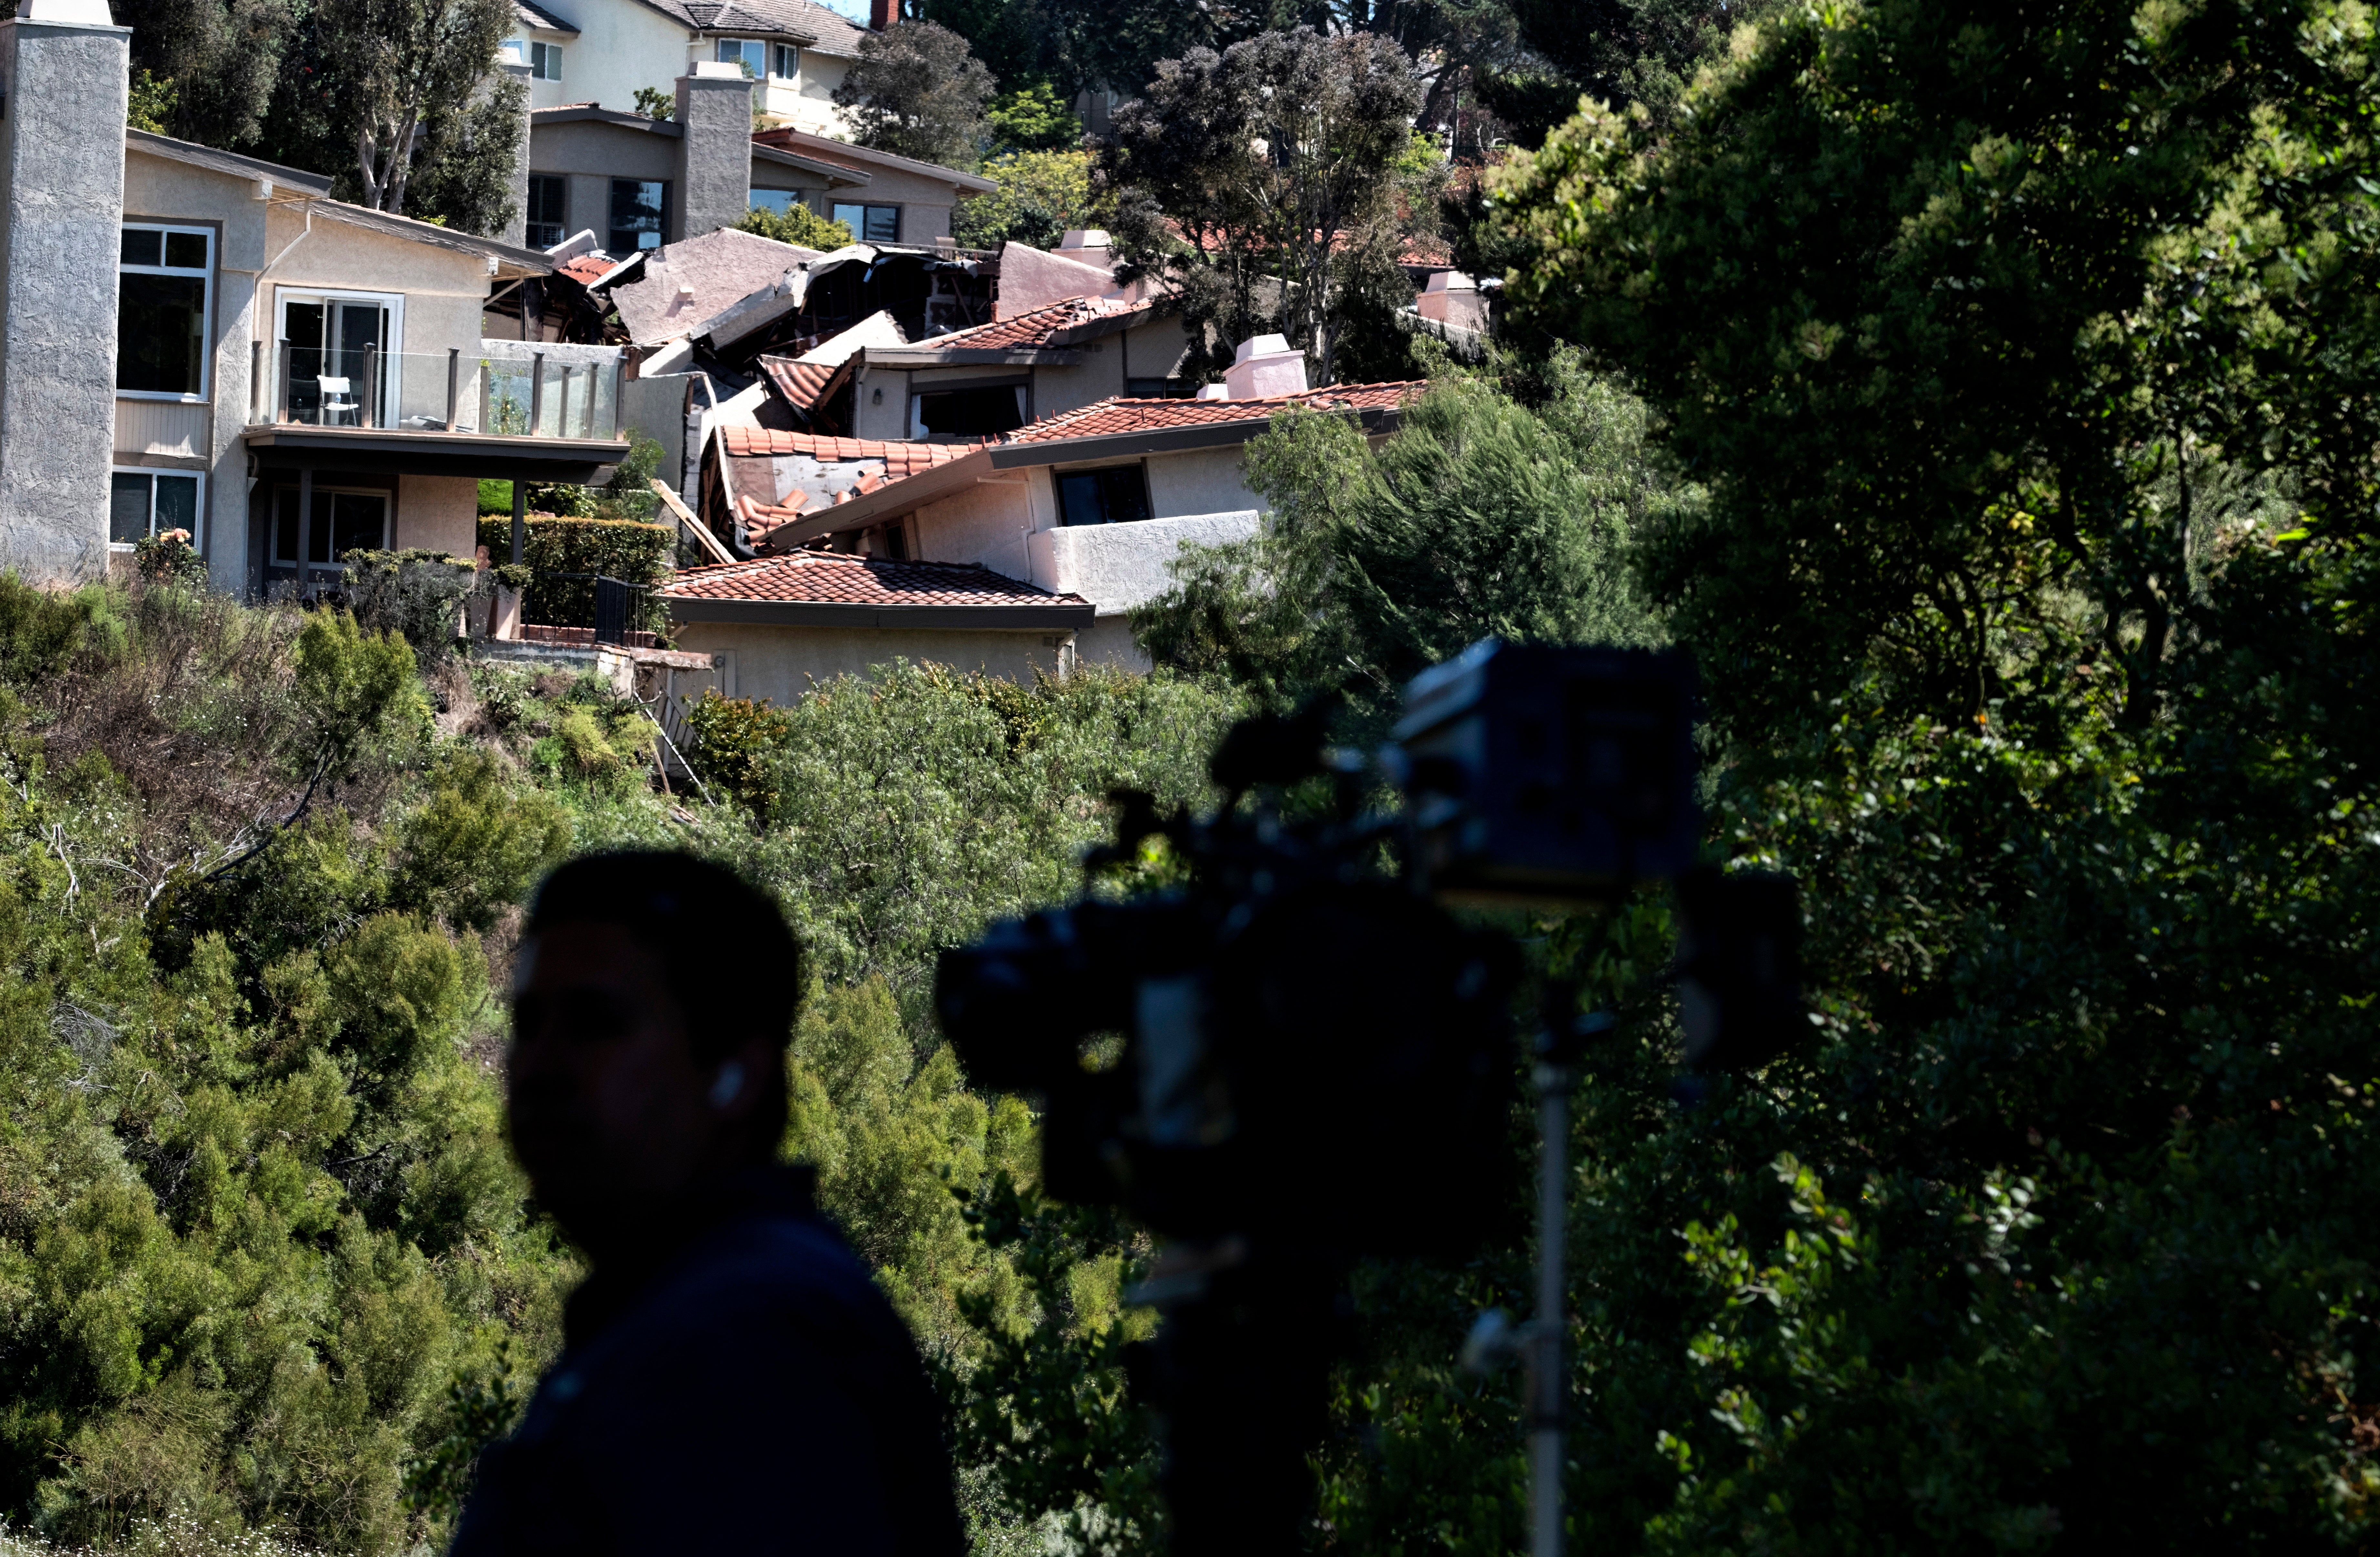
{"points": [[1163, 440], [1024, 617], [924, 356]]}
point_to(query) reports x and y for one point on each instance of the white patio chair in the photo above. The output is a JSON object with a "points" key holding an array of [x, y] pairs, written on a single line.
{"points": [[336, 403]]}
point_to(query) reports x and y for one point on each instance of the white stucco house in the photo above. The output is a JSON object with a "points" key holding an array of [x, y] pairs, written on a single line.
{"points": [[603, 51], [1018, 555]]}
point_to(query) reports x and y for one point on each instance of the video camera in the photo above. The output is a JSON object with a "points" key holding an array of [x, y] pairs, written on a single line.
{"points": [[1315, 1058]]}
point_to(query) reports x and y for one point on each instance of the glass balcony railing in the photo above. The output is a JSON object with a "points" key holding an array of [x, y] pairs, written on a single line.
{"points": [[530, 395]]}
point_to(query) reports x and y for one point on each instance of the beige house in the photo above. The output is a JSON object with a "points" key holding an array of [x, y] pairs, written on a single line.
{"points": [[296, 377]]}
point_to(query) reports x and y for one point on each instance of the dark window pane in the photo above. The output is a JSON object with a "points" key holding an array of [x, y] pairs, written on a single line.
{"points": [[186, 251], [971, 413], [177, 503], [1124, 494], [1078, 499], [883, 223], [141, 249], [547, 193], [637, 210], [160, 333], [284, 525], [358, 520], [128, 508]]}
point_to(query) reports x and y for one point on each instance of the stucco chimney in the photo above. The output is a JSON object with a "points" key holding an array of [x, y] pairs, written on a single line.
{"points": [[714, 150], [61, 211], [1091, 245], [1265, 366], [516, 230]]}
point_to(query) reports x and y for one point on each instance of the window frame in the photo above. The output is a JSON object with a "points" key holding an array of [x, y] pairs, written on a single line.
{"points": [[1058, 493], [611, 205], [284, 296], [545, 61], [789, 56], [859, 232], [744, 47], [323, 489], [529, 225], [199, 518], [206, 307]]}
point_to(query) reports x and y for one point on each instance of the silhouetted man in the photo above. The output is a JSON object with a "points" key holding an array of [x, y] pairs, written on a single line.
{"points": [[731, 1379]]}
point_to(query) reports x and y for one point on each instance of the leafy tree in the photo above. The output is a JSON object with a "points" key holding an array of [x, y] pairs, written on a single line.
{"points": [[798, 226], [1479, 516], [208, 65], [389, 92], [655, 102], [1258, 180], [1034, 118], [916, 91], [1073, 46], [1042, 196]]}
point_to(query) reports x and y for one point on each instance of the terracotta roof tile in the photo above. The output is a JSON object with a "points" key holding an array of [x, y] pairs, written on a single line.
{"points": [[589, 269], [1103, 418], [1031, 330], [900, 458], [836, 578], [799, 383]]}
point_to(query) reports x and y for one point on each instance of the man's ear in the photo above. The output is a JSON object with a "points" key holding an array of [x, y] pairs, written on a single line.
{"points": [[739, 1082]]}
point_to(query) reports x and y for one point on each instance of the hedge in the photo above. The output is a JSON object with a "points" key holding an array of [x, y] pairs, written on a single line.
{"points": [[626, 550]]}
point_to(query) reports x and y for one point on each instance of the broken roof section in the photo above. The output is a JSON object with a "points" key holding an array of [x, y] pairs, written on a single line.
{"points": [[1032, 278], [687, 285]]}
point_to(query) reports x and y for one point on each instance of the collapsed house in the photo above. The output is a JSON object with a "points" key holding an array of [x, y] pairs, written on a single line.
{"points": [[1018, 555]]}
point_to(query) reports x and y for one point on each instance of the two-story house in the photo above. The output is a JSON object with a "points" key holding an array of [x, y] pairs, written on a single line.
{"points": [[200, 341], [603, 51]]}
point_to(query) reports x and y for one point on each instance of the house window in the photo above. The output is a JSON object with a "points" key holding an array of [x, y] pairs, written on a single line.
{"points": [[786, 61], [781, 202], [164, 282], [1116, 495], [141, 502], [344, 522], [973, 413], [638, 206], [871, 224], [545, 61], [749, 52], [548, 199], [341, 359]]}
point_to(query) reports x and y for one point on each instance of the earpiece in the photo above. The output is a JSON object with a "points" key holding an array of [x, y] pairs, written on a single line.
{"points": [[729, 1085]]}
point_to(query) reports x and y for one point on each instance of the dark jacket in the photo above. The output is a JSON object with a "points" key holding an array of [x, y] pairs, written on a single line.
{"points": [[751, 1391]]}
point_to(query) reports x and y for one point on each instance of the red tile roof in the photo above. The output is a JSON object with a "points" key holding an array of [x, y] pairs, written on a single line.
{"points": [[800, 383], [837, 578], [589, 269], [1031, 330], [900, 458], [1103, 418]]}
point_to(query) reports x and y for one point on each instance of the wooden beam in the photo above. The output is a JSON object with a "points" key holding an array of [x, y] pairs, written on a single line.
{"points": [[701, 531]]}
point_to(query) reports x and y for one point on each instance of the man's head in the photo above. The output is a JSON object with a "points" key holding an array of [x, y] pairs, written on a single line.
{"points": [[652, 1007]]}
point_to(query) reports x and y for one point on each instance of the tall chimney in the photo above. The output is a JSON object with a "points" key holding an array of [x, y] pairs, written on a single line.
{"points": [[714, 150], [61, 214], [881, 14], [1265, 366], [516, 230]]}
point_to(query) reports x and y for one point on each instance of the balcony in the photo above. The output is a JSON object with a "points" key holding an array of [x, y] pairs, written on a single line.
{"points": [[505, 411]]}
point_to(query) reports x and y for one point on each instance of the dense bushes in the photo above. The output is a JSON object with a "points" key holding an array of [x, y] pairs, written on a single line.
{"points": [[628, 550], [264, 1260]]}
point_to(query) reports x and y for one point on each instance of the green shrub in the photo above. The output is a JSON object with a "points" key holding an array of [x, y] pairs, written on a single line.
{"points": [[736, 745], [170, 559], [627, 550], [416, 594], [799, 225]]}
